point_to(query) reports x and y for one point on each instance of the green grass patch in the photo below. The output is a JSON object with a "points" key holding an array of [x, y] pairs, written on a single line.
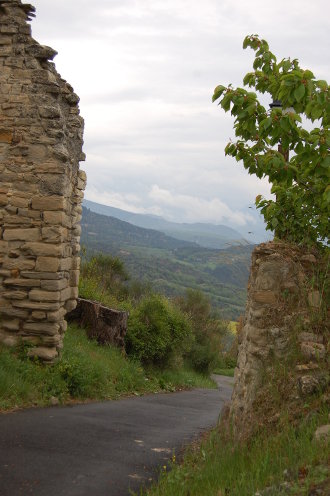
{"points": [[220, 468], [226, 372], [86, 371], [184, 377]]}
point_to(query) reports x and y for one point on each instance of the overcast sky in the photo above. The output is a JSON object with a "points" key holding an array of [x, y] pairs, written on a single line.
{"points": [[145, 71]]}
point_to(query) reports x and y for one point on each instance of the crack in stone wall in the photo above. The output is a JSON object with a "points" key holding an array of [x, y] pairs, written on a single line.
{"points": [[41, 189]]}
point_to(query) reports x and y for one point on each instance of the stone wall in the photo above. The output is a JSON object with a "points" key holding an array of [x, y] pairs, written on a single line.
{"points": [[41, 189], [282, 347]]}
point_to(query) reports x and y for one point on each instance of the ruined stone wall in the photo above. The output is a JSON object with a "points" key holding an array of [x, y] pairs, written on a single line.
{"points": [[283, 344], [41, 188]]}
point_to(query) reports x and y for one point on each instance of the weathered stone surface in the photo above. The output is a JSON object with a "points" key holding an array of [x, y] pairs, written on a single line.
{"points": [[40, 184], [18, 264], [24, 283], [36, 305], [310, 337], [45, 354], [32, 234], [40, 295], [55, 285], [322, 432], [48, 264], [279, 311], [314, 299], [42, 249], [49, 203], [41, 327], [308, 384], [313, 351], [265, 297]]}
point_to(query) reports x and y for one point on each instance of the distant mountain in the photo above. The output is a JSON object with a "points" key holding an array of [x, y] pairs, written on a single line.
{"points": [[172, 265], [206, 235], [112, 233]]}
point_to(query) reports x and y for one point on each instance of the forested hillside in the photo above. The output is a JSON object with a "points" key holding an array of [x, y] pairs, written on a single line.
{"points": [[205, 235], [171, 266]]}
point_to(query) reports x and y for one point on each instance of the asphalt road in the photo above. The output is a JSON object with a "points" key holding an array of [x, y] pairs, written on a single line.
{"points": [[101, 449]]}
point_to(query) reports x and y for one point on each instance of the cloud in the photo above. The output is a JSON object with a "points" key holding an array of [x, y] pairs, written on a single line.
{"points": [[145, 71], [197, 209]]}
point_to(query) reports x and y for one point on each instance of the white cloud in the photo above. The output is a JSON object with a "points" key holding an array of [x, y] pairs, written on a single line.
{"points": [[145, 71], [197, 209]]}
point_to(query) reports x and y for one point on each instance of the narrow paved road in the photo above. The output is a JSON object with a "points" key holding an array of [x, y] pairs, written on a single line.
{"points": [[101, 449]]}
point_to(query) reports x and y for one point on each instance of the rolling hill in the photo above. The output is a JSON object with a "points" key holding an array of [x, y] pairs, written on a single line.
{"points": [[172, 265], [206, 235]]}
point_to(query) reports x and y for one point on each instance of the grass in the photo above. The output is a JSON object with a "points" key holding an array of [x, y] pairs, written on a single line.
{"points": [[86, 371], [226, 372], [219, 468]]}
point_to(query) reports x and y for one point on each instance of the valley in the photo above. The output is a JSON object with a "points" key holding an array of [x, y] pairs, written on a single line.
{"points": [[171, 265]]}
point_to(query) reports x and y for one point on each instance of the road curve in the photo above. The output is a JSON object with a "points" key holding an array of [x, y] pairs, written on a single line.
{"points": [[101, 449]]}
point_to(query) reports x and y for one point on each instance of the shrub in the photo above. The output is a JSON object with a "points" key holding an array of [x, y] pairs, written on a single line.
{"points": [[156, 331], [208, 330]]}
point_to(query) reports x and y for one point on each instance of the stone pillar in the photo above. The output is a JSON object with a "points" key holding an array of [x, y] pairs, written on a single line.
{"points": [[41, 189], [284, 330]]}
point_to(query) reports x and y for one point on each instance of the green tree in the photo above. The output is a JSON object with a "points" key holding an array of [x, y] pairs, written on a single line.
{"points": [[299, 167]]}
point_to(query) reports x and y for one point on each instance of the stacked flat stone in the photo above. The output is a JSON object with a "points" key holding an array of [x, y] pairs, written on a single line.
{"points": [[41, 189], [280, 317]]}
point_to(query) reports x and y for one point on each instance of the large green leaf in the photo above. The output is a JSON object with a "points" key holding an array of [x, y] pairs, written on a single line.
{"points": [[299, 92]]}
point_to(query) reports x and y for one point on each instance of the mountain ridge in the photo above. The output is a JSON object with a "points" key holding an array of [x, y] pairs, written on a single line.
{"points": [[170, 265], [206, 235]]}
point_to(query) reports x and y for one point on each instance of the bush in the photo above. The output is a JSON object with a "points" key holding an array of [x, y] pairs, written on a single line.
{"points": [[208, 331], [157, 330], [202, 357]]}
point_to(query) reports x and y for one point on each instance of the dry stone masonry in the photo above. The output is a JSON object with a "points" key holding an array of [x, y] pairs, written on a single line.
{"points": [[41, 189], [283, 344]]}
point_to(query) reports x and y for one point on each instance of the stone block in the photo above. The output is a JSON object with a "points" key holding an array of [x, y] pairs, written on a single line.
{"points": [[12, 311], [313, 351], [48, 264], [265, 297], [14, 295], [37, 315], [42, 249], [54, 285], [3, 200], [66, 264], [31, 234], [49, 328], [314, 299], [57, 218], [8, 339], [6, 136], [11, 325], [23, 283], [17, 201], [310, 337], [18, 264], [51, 340], [49, 203], [45, 354], [74, 277], [70, 305], [54, 234], [56, 316], [3, 247], [322, 432], [42, 296], [37, 305]]}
